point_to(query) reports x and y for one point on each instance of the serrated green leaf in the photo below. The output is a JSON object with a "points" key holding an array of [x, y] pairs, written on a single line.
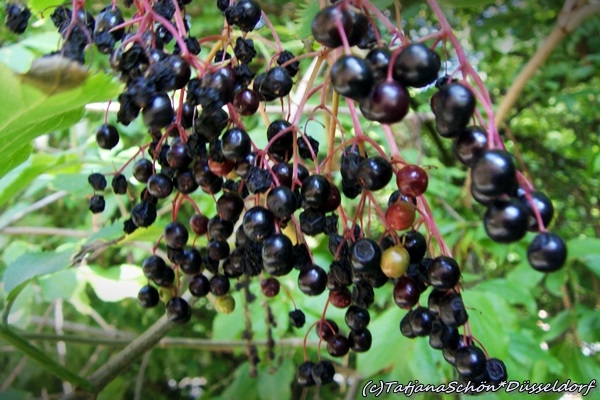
{"points": [[28, 112], [304, 16], [31, 265]]}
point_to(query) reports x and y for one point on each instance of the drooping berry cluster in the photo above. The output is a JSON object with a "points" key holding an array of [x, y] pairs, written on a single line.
{"points": [[199, 144]]}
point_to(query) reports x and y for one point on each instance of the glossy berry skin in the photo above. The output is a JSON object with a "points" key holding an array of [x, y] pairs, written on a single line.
{"points": [[415, 243], [547, 252], [199, 224], [387, 103], [338, 346], [496, 371], [199, 285], [219, 285], [244, 13], [176, 235], [326, 329], [153, 266], [506, 221], [323, 372], [400, 215], [107, 136], [177, 156], [304, 374], [357, 318], [142, 170], [258, 224], [416, 65], [470, 143], [452, 310], [543, 205], [378, 60], [282, 202], [453, 107], [278, 255], [351, 77], [494, 173], [340, 297], [148, 296], [442, 335], [421, 321], [443, 273], [270, 287], [360, 340], [470, 361], [159, 113], [160, 186], [312, 280], [236, 144], [246, 102], [192, 261], [394, 261], [230, 206], [374, 173], [412, 180], [297, 318], [324, 28], [315, 190], [179, 310], [365, 255], [406, 293]]}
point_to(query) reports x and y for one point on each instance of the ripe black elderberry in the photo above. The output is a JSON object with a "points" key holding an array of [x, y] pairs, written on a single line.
{"points": [[312, 280], [351, 77], [245, 14], [148, 296], [107, 136], [97, 203], [258, 224], [374, 173], [417, 65], [97, 181], [547, 252], [179, 310]]}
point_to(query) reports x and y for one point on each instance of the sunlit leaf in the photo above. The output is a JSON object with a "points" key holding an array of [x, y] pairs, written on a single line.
{"points": [[31, 265], [29, 112]]}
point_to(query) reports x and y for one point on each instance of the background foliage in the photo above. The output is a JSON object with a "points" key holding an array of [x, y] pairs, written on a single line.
{"points": [[544, 327]]}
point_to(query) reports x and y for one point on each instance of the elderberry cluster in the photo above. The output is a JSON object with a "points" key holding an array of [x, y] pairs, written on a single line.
{"points": [[201, 146]]}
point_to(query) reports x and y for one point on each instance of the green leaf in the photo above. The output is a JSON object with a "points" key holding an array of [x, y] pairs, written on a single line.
{"points": [[15, 395], [115, 283], [304, 16], [242, 386], [22, 176], [586, 250], [558, 325], [491, 318], [31, 265], [274, 382], [514, 294], [28, 112], [554, 282]]}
